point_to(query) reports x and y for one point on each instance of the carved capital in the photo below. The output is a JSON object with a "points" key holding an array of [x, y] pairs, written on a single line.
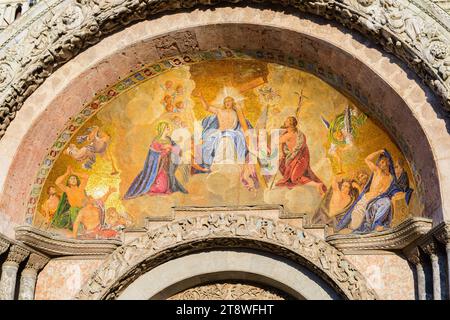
{"points": [[442, 233], [414, 255], [17, 254], [36, 262], [430, 246], [4, 245]]}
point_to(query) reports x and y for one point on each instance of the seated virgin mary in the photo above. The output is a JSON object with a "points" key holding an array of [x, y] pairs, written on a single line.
{"points": [[158, 175]]}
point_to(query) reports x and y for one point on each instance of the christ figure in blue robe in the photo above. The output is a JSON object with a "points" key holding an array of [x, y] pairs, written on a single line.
{"points": [[223, 138]]}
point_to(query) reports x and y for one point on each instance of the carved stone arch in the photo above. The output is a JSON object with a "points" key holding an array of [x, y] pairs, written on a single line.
{"points": [[55, 31], [189, 235]]}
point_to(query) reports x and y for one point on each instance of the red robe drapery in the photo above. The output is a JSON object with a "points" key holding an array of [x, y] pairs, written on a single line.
{"points": [[295, 167]]}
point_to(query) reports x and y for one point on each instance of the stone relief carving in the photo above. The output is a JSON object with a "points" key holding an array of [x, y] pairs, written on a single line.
{"points": [[133, 259], [36, 262], [174, 44], [414, 36], [4, 245], [17, 254], [442, 233], [429, 246], [229, 291]]}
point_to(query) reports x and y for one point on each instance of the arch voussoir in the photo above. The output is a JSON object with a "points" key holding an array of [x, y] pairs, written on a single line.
{"points": [[194, 234], [71, 26]]}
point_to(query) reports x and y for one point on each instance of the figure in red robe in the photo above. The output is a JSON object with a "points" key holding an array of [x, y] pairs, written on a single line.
{"points": [[294, 162]]}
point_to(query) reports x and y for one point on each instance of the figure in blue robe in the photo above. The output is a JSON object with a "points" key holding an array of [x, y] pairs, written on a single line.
{"points": [[158, 175], [211, 137], [377, 211]]}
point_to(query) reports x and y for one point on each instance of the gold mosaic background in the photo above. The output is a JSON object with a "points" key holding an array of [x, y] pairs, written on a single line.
{"points": [[131, 119]]}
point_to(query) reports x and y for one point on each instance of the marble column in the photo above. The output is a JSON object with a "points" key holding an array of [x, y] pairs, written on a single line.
{"points": [[29, 276], [421, 285], [430, 247], [447, 248], [10, 267], [415, 257], [443, 236]]}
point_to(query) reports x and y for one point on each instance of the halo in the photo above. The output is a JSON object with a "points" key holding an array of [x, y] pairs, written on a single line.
{"points": [[228, 92]]}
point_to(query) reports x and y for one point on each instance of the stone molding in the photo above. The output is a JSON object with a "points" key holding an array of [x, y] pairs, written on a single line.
{"points": [[223, 230], [55, 246], [55, 31], [396, 238]]}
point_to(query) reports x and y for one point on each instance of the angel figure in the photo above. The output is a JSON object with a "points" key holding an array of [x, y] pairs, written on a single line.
{"points": [[342, 132]]}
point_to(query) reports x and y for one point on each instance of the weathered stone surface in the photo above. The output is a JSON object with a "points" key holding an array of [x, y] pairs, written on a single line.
{"points": [[229, 291], [71, 26], [182, 236]]}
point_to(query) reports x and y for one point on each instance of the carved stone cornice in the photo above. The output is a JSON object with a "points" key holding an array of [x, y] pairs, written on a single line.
{"points": [[55, 31], [17, 254], [396, 238], [36, 262], [53, 245], [192, 234]]}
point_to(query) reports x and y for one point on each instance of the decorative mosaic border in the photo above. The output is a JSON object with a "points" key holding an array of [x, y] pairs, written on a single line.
{"points": [[155, 69]]}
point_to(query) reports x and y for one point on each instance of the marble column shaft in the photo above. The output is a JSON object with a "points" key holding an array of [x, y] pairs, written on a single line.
{"points": [[436, 276], [421, 285], [447, 247], [27, 284], [8, 280], [10, 267], [29, 276]]}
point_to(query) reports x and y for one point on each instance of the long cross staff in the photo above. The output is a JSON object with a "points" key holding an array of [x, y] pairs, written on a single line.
{"points": [[250, 85], [297, 115]]}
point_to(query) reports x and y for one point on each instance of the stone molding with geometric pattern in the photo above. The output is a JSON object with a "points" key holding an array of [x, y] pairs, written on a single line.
{"points": [[188, 235], [55, 31], [397, 238], [55, 246]]}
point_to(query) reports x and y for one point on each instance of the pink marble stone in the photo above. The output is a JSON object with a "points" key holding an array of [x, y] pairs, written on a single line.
{"points": [[62, 279], [389, 275]]}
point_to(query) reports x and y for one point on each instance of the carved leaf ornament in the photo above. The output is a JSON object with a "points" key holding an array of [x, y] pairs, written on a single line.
{"points": [[40, 44], [203, 232]]}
